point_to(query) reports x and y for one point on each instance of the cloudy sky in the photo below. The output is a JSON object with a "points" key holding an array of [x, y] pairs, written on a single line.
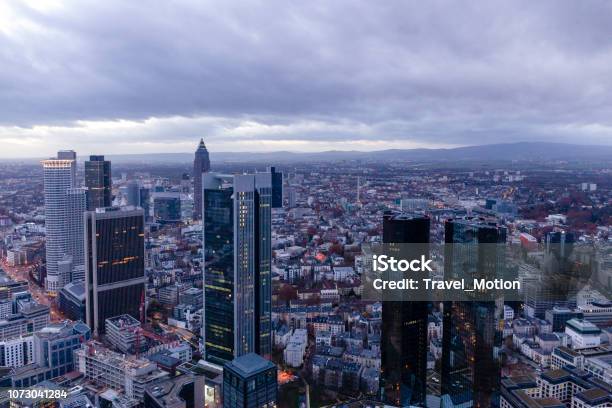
{"points": [[136, 77]]}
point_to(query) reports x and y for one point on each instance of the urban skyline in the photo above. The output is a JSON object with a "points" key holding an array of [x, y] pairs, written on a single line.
{"points": [[347, 204]]}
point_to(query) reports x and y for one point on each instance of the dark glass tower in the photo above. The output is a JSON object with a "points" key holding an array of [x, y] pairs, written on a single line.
{"points": [[237, 281], [471, 339], [404, 323], [98, 181], [277, 188], [114, 267], [201, 164]]}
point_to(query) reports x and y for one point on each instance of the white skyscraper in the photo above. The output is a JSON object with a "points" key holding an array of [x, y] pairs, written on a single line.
{"points": [[64, 206]]}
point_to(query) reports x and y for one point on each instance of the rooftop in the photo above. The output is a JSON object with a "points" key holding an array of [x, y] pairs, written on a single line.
{"points": [[249, 364]]}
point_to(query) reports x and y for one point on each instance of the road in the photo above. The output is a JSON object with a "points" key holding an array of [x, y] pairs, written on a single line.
{"points": [[21, 272]]}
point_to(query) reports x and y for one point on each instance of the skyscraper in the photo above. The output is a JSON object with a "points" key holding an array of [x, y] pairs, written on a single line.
{"points": [[237, 281], [404, 323], [277, 188], [98, 181], [59, 177], [77, 203], [471, 340], [132, 193], [201, 164], [114, 267]]}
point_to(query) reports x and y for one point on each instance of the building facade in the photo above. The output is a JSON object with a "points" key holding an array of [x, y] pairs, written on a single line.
{"points": [[201, 164], [471, 369], [115, 273], [249, 381], [59, 177], [237, 280], [98, 181], [404, 330]]}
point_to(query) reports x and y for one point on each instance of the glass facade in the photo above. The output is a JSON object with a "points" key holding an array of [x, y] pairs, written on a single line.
{"points": [[219, 275], [115, 265], [237, 248], [98, 181], [471, 369], [404, 330], [249, 381]]}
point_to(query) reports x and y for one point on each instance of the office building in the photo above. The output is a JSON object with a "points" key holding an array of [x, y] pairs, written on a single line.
{"points": [[98, 181], [114, 244], [471, 340], [558, 317], [124, 333], [201, 164], [72, 301], [237, 280], [583, 333], [16, 352], [404, 323], [249, 381], [277, 188], [52, 353], [77, 203], [145, 202], [167, 207], [59, 177], [192, 297], [105, 368], [30, 318], [598, 312]]}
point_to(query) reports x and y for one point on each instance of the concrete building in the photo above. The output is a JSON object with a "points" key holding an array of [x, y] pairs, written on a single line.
{"points": [[584, 334], [17, 352], [129, 376], [123, 332], [59, 177]]}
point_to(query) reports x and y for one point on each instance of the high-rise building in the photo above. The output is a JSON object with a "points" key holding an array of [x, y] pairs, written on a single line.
{"points": [[98, 181], [167, 207], [471, 339], [404, 323], [237, 281], [277, 188], [145, 202], [77, 203], [132, 193], [114, 267], [201, 164], [249, 381], [59, 177]]}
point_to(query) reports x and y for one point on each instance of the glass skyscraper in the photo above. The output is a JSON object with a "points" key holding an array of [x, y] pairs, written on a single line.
{"points": [[471, 342], [98, 181], [404, 323], [115, 273], [237, 280]]}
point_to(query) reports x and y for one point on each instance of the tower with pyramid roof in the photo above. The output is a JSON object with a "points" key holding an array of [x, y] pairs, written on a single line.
{"points": [[201, 164]]}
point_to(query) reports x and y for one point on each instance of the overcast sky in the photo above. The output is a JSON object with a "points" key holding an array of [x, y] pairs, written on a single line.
{"points": [[136, 77]]}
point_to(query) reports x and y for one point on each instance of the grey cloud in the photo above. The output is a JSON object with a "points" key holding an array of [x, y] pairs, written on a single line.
{"points": [[437, 72]]}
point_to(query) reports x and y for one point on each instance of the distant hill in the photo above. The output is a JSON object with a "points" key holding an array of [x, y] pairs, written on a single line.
{"points": [[493, 152]]}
